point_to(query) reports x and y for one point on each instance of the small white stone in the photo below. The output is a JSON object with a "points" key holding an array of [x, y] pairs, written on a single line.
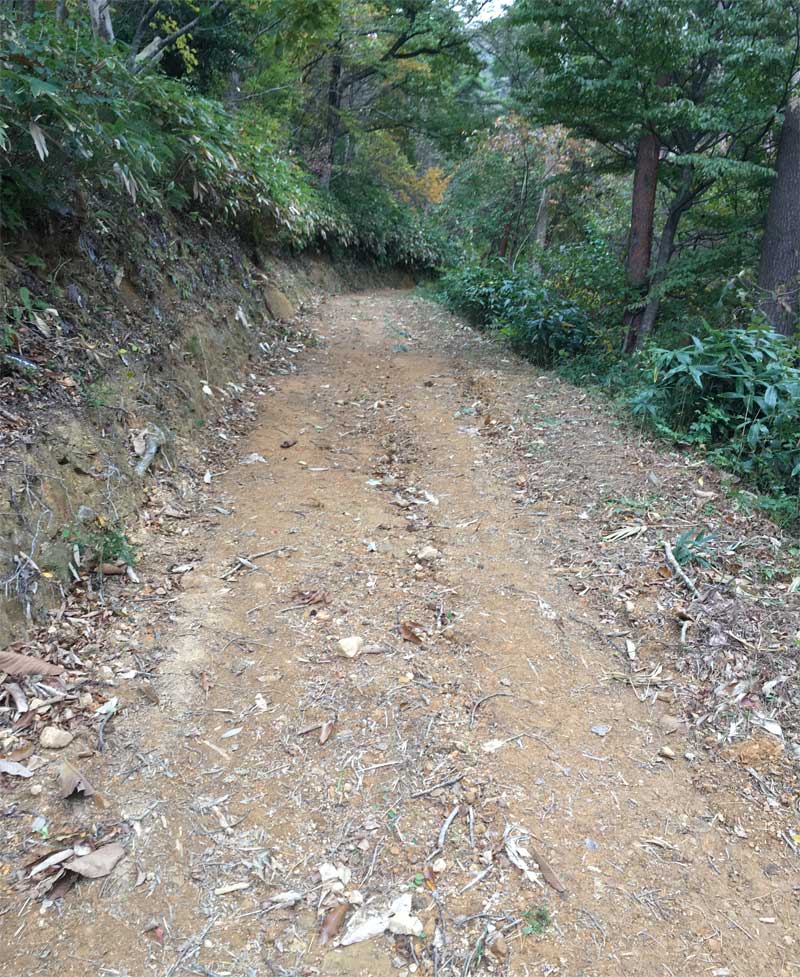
{"points": [[428, 554], [53, 738], [36, 789], [350, 647]]}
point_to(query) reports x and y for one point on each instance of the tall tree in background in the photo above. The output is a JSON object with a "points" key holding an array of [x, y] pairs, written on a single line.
{"points": [[779, 268], [683, 91]]}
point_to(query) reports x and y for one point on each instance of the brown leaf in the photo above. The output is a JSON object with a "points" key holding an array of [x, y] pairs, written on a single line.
{"points": [[72, 781], [62, 885], [312, 596], [16, 664], [546, 869], [205, 682], [408, 630], [97, 864], [333, 922], [111, 570], [327, 729]]}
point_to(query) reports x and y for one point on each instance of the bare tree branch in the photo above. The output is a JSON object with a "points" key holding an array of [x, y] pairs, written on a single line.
{"points": [[154, 50]]}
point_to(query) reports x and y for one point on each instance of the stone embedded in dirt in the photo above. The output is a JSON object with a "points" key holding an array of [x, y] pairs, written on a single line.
{"points": [[53, 738], [669, 724], [350, 647], [601, 730], [498, 946], [666, 752], [278, 304], [365, 924], [401, 922], [428, 554]]}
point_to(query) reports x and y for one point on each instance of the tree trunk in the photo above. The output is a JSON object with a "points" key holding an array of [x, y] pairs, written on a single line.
{"points": [[334, 116], [234, 88], [640, 242], [542, 218], [61, 11], [100, 12], [681, 202], [502, 249], [779, 268]]}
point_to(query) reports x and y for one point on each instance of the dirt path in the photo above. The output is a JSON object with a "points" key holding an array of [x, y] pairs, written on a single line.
{"points": [[480, 671]]}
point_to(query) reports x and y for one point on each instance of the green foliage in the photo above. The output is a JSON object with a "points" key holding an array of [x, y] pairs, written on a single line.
{"points": [[76, 122], [535, 321], [101, 541], [536, 920], [384, 230], [693, 546], [736, 393], [591, 274], [607, 71]]}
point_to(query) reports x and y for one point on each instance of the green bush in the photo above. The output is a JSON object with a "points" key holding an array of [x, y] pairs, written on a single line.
{"points": [[387, 231], [591, 273], [537, 323], [735, 392]]}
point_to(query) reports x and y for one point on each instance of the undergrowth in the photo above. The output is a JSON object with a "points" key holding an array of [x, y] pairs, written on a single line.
{"points": [[84, 138], [732, 393]]}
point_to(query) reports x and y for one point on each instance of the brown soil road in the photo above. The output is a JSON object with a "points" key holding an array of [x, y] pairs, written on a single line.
{"points": [[505, 700]]}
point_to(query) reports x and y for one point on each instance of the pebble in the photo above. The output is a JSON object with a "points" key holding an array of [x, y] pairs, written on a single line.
{"points": [[665, 751], [350, 647], [428, 554], [53, 738], [36, 789]]}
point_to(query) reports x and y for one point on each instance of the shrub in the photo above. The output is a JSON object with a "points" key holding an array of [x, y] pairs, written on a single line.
{"points": [[537, 323], [591, 273], [386, 230], [735, 392]]}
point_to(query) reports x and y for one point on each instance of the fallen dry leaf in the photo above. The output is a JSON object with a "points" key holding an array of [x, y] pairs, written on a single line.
{"points": [[408, 631], [111, 570], [327, 729], [312, 596], [333, 922], [72, 781], [14, 769], [498, 947], [16, 664], [97, 864], [62, 885], [546, 869]]}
